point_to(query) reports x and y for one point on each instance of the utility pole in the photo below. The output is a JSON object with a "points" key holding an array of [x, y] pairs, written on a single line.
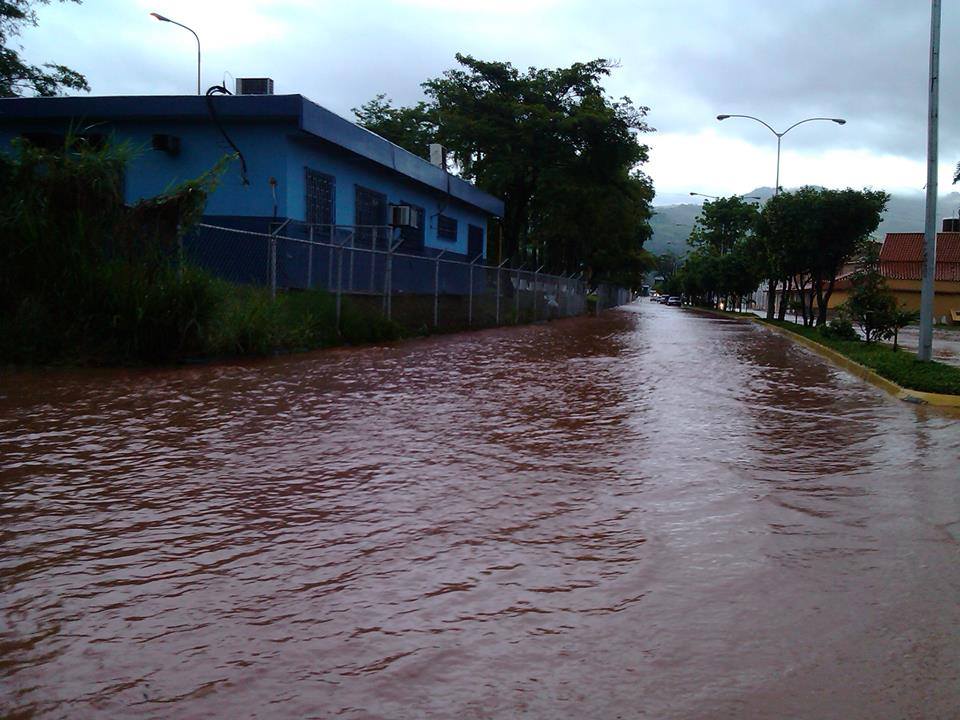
{"points": [[925, 350]]}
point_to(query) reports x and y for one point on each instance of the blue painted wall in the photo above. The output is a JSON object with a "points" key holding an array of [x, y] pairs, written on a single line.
{"points": [[350, 171], [273, 147]]}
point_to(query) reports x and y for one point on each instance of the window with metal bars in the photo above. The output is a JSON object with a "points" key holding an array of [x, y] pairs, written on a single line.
{"points": [[474, 242], [446, 228], [320, 202], [370, 214]]}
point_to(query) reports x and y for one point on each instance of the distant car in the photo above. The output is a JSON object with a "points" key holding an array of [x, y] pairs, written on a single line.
{"points": [[674, 300]]}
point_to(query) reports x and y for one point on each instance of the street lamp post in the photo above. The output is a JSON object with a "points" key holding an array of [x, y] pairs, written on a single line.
{"points": [[776, 187], [161, 18], [717, 197]]}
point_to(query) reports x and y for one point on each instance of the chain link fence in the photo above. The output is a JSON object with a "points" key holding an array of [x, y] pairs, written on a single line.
{"points": [[373, 266]]}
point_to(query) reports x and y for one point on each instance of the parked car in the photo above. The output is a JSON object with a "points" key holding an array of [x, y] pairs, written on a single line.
{"points": [[674, 300]]}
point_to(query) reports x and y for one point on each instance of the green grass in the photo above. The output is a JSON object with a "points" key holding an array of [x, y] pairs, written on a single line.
{"points": [[901, 366], [128, 316]]}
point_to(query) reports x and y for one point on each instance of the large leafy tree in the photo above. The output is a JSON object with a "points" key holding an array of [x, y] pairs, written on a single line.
{"points": [[18, 77], [563, 155], [723, 223], [809, 234], [412, 128]]}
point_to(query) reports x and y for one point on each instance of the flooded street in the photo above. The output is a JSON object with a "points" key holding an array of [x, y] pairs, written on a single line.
{"points": [[651, 514]]}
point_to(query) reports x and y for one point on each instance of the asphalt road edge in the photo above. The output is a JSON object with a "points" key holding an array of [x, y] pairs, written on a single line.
{"points": [[862, 371]]}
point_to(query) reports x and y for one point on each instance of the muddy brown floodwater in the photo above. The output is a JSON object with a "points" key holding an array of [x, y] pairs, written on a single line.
{"points": [[651, 514]]}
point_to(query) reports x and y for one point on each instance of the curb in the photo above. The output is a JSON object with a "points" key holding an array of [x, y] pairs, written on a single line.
{"points": [[917, 397]]}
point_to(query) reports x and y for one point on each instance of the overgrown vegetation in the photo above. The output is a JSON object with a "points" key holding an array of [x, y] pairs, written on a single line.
{"points": [[902, 368], [563, 155], [85, 278]]}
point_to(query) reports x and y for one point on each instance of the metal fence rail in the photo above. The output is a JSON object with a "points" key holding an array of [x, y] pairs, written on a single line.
{"points": [[422, 287]]}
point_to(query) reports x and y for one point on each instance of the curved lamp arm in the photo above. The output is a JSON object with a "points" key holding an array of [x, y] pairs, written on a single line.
{"points": [[751, 117], [838, 121], [163, 18]]}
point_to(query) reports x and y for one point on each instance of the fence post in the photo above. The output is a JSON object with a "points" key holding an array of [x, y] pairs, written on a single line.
{"points": [[373, 260], [516, 320], [499, 283], [388, 259], [535, 291], [436, 291], [272, 263], [340, 248], [310, 262], [332, 246], [353, 245], [272, 260], [470, 298]]}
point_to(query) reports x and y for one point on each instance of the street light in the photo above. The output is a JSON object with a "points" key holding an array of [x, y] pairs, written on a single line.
{"points": [[776, 188], [161, 18], [717, 197]]}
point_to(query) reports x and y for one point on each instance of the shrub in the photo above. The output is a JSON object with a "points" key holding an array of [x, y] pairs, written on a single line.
{"points": [[840, 328]]}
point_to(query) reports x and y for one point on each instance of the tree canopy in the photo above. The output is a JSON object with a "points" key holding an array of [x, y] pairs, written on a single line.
{"points": [[563, 155], [799, 240], [809, 234], [18, 77]]}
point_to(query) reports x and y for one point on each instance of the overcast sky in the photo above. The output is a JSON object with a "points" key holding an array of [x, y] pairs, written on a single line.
{"points": [[687, 60]]}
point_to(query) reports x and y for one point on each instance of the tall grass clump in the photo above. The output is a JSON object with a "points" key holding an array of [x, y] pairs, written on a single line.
{"points": [[84, 276]]}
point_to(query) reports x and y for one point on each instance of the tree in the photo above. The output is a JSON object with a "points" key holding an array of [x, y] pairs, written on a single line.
{"points": [[807, 236], [722, 223], [18, 77], [871, 305], [411, 128], [845, 220], [900, 319], [564, 157]]}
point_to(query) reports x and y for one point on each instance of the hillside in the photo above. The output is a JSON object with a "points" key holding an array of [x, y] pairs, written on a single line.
{"points": [[672, 223]]}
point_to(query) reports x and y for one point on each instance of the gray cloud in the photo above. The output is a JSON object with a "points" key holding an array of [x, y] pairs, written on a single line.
{"points": [[687, 60]]}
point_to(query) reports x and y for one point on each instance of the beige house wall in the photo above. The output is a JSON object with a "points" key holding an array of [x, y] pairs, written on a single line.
{"points": [[946, 296]]}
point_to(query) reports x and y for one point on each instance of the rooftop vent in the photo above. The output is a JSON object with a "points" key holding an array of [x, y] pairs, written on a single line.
{"points": [[254, 86], [438, 155]]}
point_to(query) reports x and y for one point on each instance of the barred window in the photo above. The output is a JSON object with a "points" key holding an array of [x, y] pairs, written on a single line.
{"points": [[370, 210], [320, 197], [446, 228], [474, 242]]}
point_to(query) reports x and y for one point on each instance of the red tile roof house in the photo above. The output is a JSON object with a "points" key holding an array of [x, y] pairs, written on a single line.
{"points": [[901, 261]]}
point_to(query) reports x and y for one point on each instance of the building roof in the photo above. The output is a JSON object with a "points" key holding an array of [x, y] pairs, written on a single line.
{"points": [[311, 118], [901, 257]]}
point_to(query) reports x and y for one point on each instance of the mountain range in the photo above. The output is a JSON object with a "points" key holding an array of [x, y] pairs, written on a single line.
{"points": [[672, 223]]}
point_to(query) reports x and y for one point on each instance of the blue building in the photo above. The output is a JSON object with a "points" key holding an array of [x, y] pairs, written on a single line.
{"points": [[303, 163]]}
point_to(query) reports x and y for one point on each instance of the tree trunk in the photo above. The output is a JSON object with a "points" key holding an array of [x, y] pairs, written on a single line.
{"points": [[822, 318], [771, 295], [782, 313], [803, 302]]}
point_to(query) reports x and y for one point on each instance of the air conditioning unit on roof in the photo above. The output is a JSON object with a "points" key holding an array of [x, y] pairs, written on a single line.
{"points": [[254, 86]]}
